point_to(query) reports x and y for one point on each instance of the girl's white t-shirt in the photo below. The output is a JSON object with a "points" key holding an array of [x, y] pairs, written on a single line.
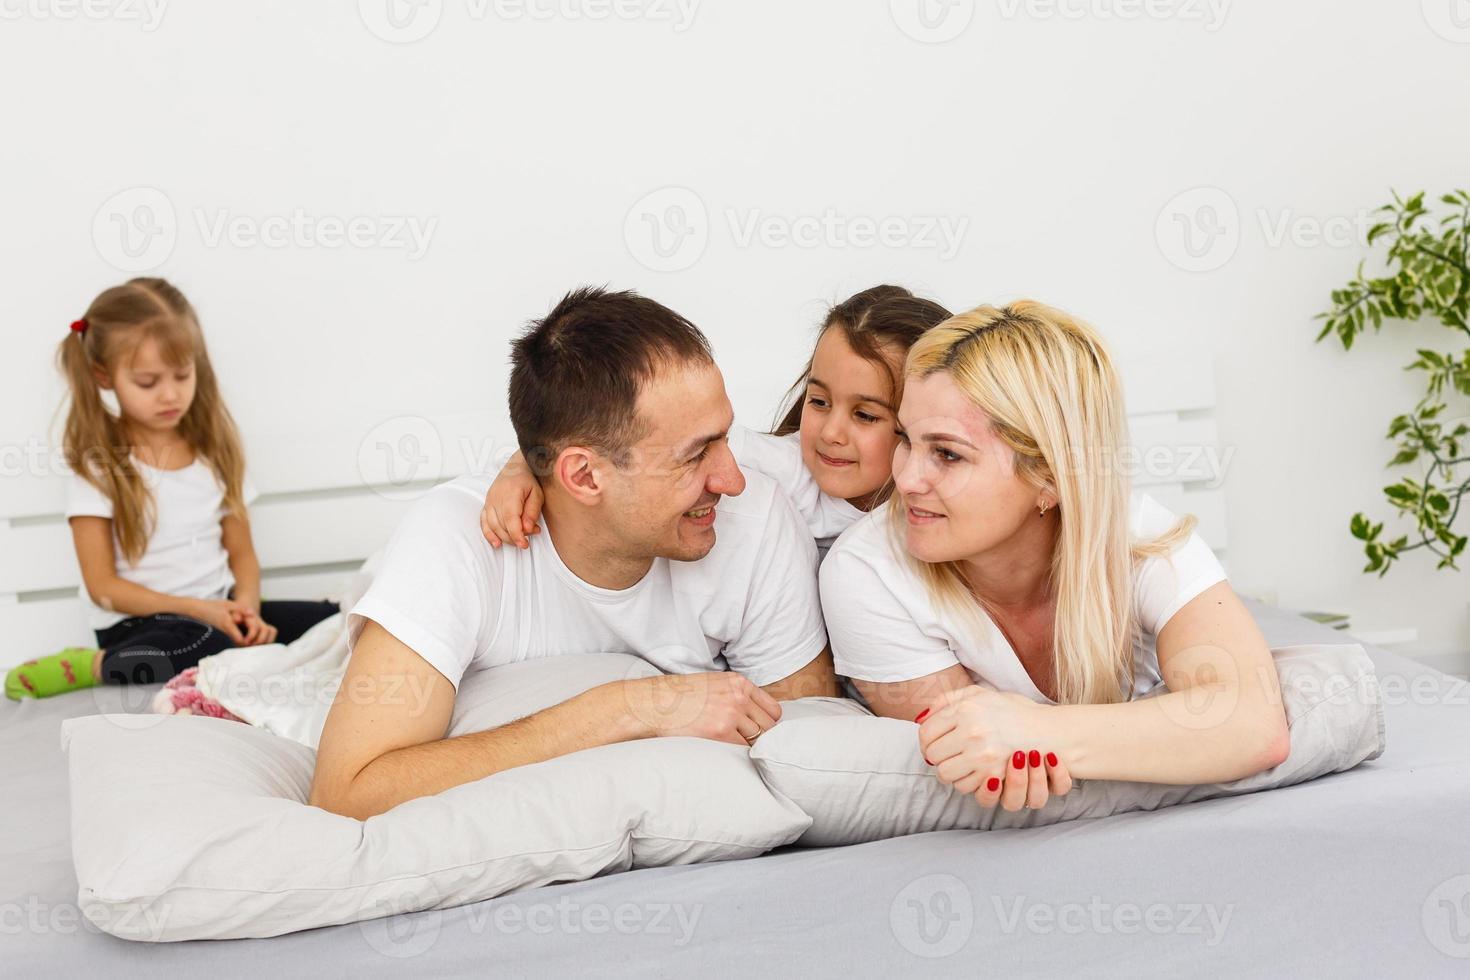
{"points": [[185, 555], [884, 626], [779, 457]]}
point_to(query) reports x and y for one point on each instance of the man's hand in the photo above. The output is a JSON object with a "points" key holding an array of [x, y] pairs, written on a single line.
{"points": [[722, 706]]}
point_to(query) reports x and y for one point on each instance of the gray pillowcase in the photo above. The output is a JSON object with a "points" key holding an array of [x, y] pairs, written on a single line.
{"points": [[862, 778]]}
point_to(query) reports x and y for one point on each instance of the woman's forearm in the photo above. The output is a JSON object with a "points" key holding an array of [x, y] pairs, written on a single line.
{"points": [[1204, 734]]}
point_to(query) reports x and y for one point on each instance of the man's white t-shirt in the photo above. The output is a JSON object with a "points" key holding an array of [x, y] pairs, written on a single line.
{"points": [[750, 605], [885, 627], [779, 457], [185, 555]]}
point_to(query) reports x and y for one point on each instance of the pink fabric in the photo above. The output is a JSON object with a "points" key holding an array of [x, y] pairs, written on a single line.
{"points": [[180, 697]]}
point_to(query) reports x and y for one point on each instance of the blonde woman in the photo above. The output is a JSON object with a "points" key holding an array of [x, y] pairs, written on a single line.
{"points": [[1017, 600]]}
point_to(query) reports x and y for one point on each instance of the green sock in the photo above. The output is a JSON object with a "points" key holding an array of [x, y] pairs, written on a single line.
{"points": [[69, 670]]}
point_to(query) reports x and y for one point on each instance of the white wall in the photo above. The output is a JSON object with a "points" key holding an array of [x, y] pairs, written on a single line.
{"points": [[1058, 135]]}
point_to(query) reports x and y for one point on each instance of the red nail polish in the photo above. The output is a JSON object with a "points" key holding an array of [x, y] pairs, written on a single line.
{"points": [[1034, 759], [922, 715], [1051, 758], [992, 784], [1019, 760]]}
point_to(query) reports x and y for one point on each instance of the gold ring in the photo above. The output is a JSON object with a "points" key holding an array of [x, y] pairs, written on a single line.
{"points": [[759, 731]]}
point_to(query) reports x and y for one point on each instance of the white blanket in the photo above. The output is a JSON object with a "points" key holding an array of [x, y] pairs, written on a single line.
{"points": [[287, 689]]}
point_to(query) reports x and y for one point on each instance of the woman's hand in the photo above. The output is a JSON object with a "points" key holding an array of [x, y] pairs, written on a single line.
{"points": [[512, 506], [992, 745]]}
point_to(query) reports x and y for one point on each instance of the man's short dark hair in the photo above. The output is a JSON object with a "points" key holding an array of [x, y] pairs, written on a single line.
{"points": [[576, 374]]}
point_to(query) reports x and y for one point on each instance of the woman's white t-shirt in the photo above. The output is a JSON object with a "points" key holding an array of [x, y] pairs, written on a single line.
{"points": [[885, 627], [185, 555], [779, 457]]}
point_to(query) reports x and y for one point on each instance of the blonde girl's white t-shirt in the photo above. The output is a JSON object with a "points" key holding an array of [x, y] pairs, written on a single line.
{"points": [[185, 555], [779, 457], [884, 627]]}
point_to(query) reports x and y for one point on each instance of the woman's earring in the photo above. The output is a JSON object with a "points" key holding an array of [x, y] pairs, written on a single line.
{"points": [[1042, 511]]}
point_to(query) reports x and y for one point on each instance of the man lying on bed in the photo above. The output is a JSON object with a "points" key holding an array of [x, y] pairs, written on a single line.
{"points": [[657, 544]]}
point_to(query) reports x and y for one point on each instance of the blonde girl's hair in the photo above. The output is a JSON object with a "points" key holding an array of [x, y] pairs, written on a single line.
{"points": [[97, 445], [1047, 384]]}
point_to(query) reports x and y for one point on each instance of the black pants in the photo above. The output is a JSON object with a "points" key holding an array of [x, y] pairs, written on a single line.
{"points": [[152, 649]]}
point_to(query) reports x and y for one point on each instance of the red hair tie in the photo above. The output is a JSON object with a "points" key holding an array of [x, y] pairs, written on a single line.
{"points": [[79, 326]]}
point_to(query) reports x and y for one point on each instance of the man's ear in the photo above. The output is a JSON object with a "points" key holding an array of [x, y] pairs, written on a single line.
{"points": [[579, 471]]}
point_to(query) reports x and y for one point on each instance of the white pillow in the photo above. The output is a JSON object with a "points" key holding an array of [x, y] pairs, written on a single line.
{"points": [[187, 827], [862, 778]]}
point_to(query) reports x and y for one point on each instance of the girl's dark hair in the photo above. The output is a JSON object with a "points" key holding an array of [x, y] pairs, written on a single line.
{"points": [[875, 322]]}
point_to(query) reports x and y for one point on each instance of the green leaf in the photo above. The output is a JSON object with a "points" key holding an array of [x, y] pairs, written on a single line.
{"points": [[1439, 503], [1399, 493], [1360, 527], [1404, 456]]}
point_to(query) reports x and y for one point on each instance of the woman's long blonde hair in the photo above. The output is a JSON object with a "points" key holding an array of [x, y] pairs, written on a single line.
{"points": [[97, 445], [1049, 387]]}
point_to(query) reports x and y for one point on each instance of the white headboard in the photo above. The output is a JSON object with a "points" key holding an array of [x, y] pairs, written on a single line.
{"points": [[327, 502], [1178, 458], [330, 500]]}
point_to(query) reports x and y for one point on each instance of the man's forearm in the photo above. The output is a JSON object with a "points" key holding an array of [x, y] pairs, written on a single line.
{"points": [[600, 716]]}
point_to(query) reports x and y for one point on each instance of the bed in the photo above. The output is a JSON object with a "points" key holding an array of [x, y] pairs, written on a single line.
{"points": [[1363, 873]]}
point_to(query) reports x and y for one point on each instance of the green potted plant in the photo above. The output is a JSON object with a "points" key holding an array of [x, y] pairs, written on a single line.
{"points": [[1427, 275]]}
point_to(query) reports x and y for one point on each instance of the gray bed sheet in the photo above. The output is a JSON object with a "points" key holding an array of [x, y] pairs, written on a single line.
{"points": [[1359, 874]]}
